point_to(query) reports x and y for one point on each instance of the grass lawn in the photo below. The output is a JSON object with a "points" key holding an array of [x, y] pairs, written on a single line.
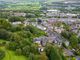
{"points": [[35, 6], [10, 55], [3, 40]]}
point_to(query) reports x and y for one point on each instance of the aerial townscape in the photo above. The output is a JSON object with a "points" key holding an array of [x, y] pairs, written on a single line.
{"points": [[39, 29]]}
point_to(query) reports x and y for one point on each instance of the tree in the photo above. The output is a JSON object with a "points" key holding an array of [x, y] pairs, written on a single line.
{"points": [[74, 41], [25, 34], [14, 19], [26, 50], [34, 48], [65, 34], [4, 14], [79, 40], [15, 37], [35, 31], [4, 34], [30, 15], [66, 27], [53, 53], [17, 28], [4, 24], [31, 28], [18, 51], [12, 46], [34, 57]]}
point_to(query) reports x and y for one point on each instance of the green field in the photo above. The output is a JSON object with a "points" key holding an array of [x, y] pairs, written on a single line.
{"points": [[10, 55], [34, 6]]}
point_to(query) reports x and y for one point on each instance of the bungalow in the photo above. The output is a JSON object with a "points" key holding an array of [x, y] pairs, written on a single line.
{"points": [[51, 13], [66, 43], [51, 39], [16, 23], [58, 29], [41, 27], [77, 57], [37, 40], [68, 53]]}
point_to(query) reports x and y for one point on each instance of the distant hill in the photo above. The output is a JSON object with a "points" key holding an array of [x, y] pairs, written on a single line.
{"points": [[20, 4], [23, 0]]}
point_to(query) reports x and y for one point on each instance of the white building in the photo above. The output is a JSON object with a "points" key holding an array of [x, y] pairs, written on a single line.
{"points": [[16, 23], [58, 29]]}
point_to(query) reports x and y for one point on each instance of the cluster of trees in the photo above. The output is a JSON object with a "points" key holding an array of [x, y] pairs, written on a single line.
{"points": [[54, 53], [42, 56], [4, 14], [4, 24], [66, 27], [72, 37], [4, 34], [20, 38], [22, 41], [33, 14], [14, 19]]}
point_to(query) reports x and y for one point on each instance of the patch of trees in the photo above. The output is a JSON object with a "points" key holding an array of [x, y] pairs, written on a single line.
{"points": [[4, 15], [56, 16], [14, 19], [54, 53], [30, 15], [66, 26], [20, 38], [42, 56], [16, 28], [72, 37], [4, 34], [22, 46], [4, 24], [35, 31], [33, 14], [74, 16], [22, 41]]}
